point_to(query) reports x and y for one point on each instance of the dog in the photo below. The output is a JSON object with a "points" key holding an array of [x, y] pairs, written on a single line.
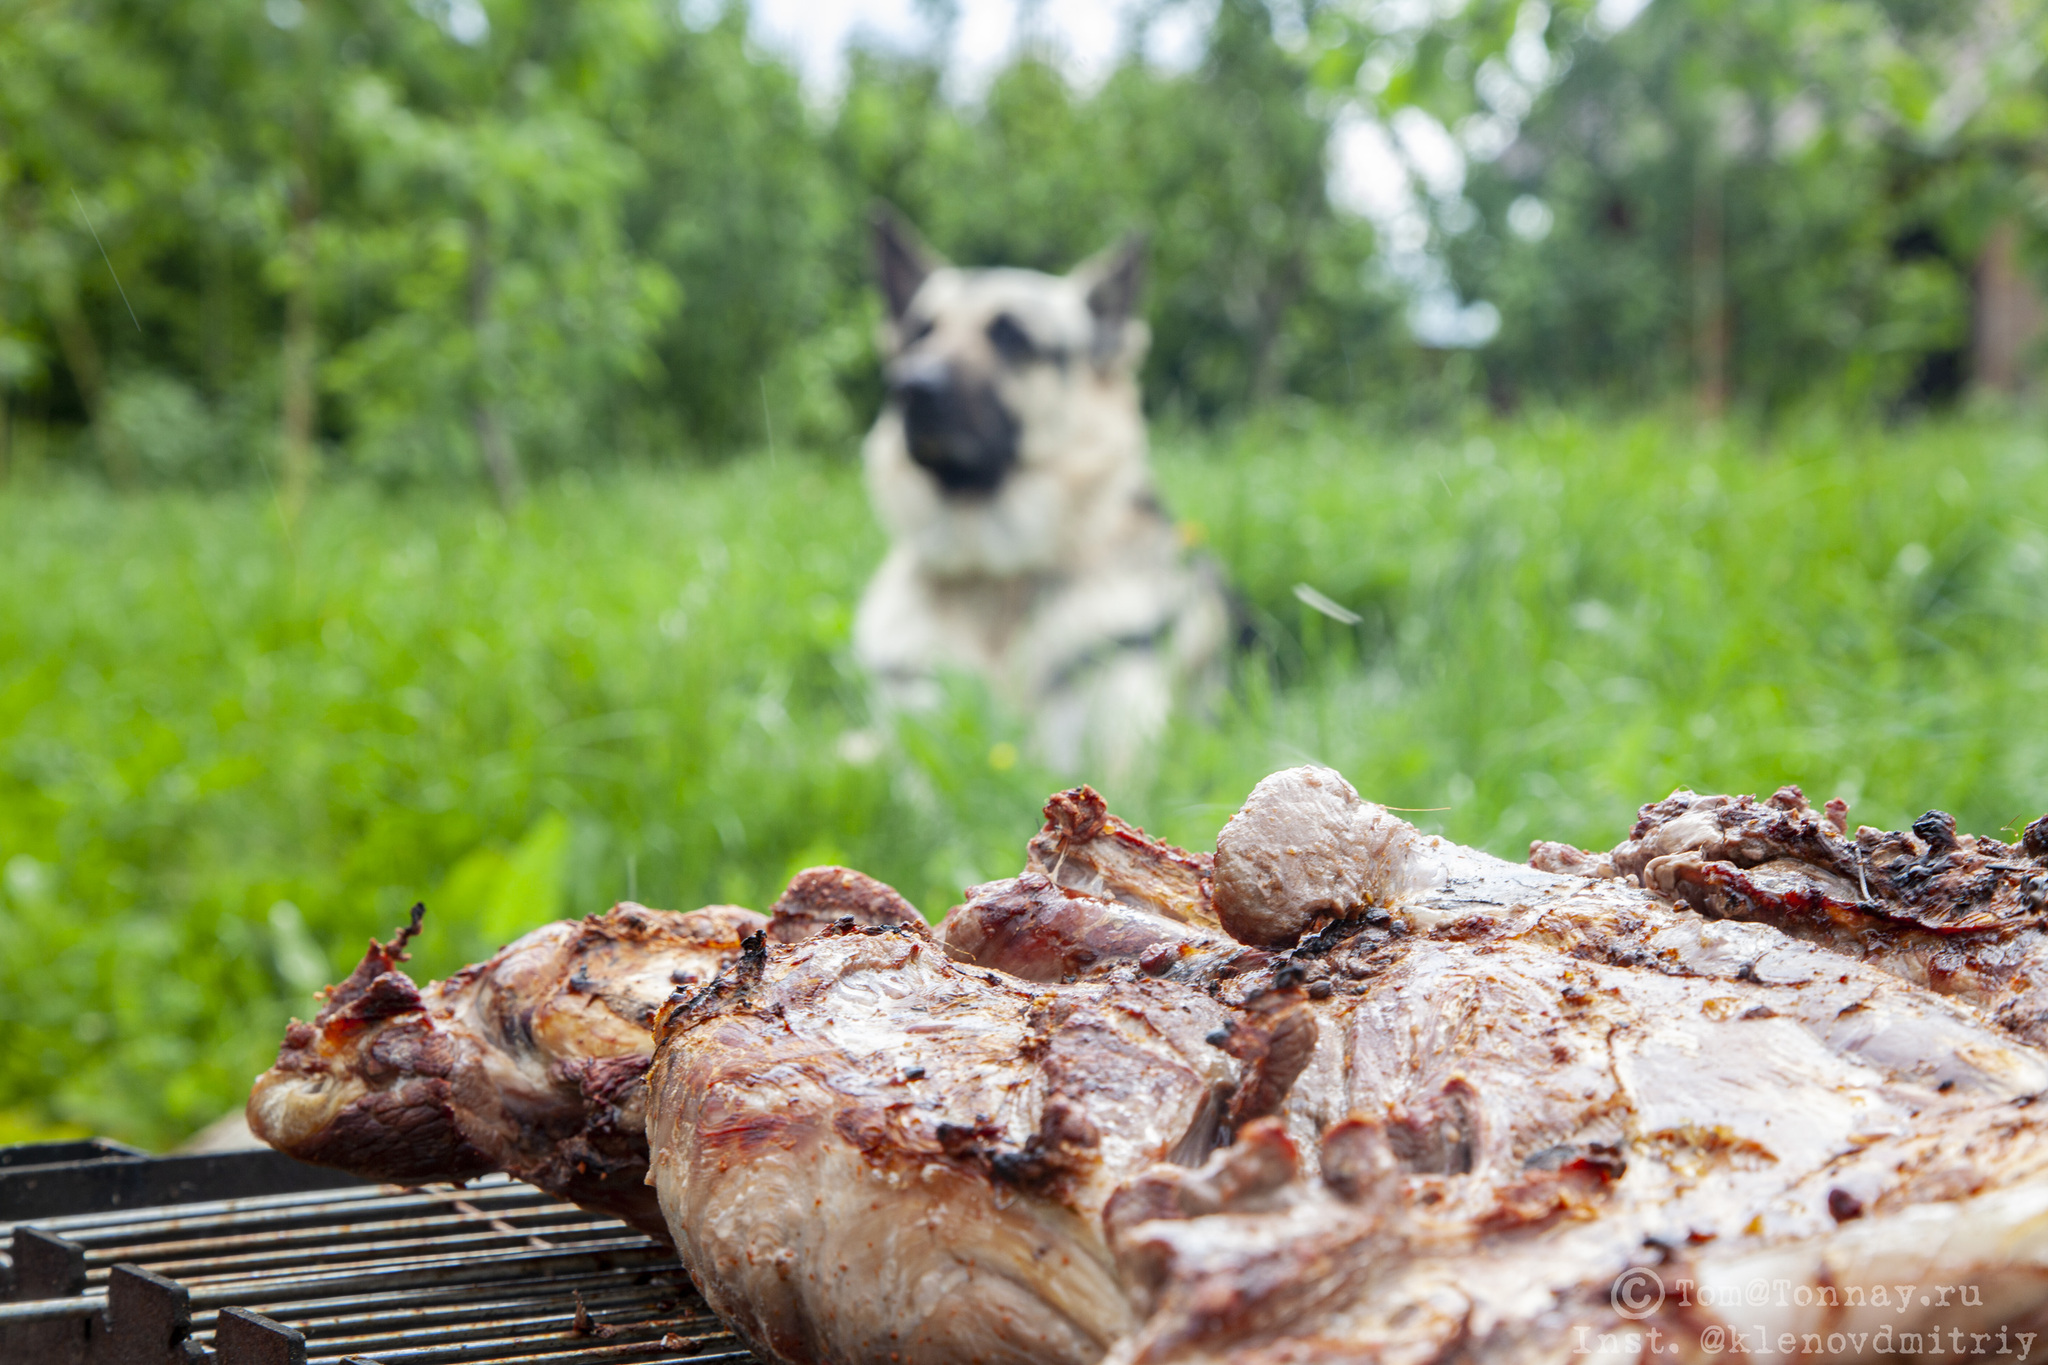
{"points": [[1028, 546]]}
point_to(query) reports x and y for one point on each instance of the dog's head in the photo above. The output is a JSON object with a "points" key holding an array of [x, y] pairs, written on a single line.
{"points": [[986, 367]]}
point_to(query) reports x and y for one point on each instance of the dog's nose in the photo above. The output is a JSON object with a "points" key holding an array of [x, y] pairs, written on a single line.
{"points": [[922, 380], [959, 431]]}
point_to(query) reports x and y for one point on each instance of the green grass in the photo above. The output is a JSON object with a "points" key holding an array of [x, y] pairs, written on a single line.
{"points": [[228, 754]]}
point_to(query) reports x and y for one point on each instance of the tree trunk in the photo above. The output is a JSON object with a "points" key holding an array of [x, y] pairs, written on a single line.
{"points": [[81, 357], [301, 342], [1274, 301], [89, 376], [1709, 298], [2006, 317], [501, 460], [300, 358]]}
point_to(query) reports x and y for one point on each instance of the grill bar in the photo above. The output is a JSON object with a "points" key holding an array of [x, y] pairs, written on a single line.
{"points": [[523, 1222], [427, 1303], [646, 1333], [461, 1304], [52, 1310], [555, 1322], [345, 1252], [589, 1355], [300, 1206]]}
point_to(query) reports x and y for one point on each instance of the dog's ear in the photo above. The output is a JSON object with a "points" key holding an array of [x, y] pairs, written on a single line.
{"points": [[902, 260], [1114, 279]]}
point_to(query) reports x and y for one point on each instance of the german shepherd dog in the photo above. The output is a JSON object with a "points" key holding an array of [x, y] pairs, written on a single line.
{"points": [[1028, 547]]}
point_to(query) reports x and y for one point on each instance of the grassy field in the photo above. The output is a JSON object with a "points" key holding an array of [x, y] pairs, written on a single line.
{"points": [[229, 753]]}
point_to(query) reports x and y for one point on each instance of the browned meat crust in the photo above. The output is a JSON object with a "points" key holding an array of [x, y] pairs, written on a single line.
{"points": [[1036, 931], [531, 1062], [1430, 1113], [870, 1152], [820, 896], [1086, 849], [403, 1130], [1436, 1129], [1959, 914]]}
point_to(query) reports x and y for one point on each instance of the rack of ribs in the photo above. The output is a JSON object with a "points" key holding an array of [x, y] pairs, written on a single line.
{"points": [[1345, 1091]]}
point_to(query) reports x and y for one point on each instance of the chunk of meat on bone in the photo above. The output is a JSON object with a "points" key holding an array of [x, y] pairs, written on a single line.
{"points": [[818, 897], [1086, 849], [529, 1063], [1960, 914], [1305, 849]]}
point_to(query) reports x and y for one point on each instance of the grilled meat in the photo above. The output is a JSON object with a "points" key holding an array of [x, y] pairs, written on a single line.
{"points": [[1086, 849], [1959, 914], [1036, 931], [530, 1063], [1435, 1106], [821, 896], [1250, 1258], [1342, 1091], [867, 1151]]}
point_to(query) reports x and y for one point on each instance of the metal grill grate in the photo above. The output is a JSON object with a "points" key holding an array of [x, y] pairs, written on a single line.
{"points": [[372, 1275]]}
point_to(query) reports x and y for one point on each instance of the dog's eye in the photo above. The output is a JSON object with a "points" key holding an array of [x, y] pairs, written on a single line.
{"points": [[916, 330], [1010, 339]]}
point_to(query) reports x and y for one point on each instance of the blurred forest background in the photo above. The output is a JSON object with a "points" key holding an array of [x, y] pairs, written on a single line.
{"points": [[418, 239], [427, 438]]}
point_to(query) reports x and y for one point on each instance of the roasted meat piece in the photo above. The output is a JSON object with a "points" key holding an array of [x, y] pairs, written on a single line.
{"points": [[1960, 914], [1343, 1092], [530, 1063], [867, 1151], [818, 897], [1252, 1258], [1036, 931], [1434, 1112], [1084, 848]]}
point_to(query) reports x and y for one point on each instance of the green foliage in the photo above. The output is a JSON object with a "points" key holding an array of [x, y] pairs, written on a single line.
{"points": [[1259, 287], [417, 239], [228, 754], [490, 242], [1793, 194], [572, 234]]}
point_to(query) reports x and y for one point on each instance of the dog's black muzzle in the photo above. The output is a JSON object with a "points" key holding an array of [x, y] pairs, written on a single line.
{"points": [[958, 429]]}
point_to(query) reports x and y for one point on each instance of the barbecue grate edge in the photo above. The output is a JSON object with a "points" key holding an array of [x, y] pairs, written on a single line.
{"points": [[364, 1274]]}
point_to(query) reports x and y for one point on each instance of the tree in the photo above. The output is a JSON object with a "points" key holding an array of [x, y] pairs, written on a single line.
{"points": [[1748, 196]]}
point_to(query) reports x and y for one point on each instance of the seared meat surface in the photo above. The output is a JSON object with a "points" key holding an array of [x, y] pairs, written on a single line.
{"points": [[1434, 1111], [1341, 1091], [533, 1062], [1036, 931], [1084, 848], [1960, 914], [530, 1063], [821, 896], [867, 1151]]}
